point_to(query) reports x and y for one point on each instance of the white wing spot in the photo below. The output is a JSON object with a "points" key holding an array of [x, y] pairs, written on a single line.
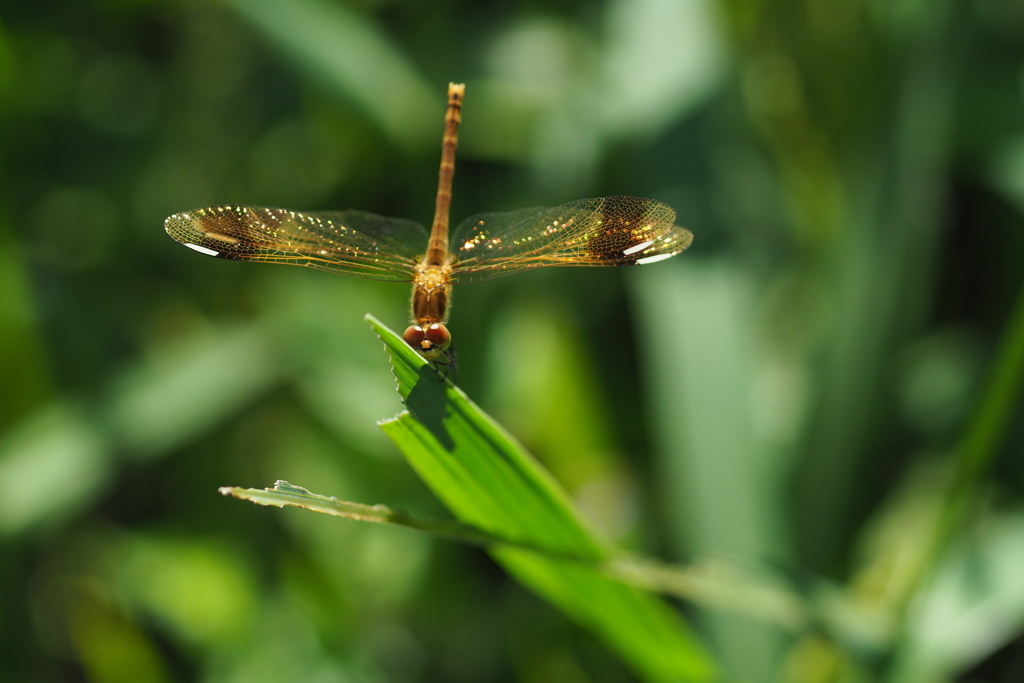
{"points": [[201, 250], [653, 259], [636, 248]]}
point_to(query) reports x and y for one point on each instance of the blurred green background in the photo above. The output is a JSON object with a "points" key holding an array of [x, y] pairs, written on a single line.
{"points": [[825, 387]]}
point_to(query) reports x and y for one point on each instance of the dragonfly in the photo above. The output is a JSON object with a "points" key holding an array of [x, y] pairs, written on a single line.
{"points": [[602, 231]]}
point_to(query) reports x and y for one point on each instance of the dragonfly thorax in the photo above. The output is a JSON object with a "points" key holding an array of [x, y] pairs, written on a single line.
{"points": [[430, 294]]}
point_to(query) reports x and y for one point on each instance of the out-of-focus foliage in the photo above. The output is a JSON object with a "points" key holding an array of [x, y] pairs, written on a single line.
{"points": [[825, 386]]}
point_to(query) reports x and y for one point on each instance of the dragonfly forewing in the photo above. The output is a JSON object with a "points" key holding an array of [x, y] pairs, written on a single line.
{"points": [[350, 242], [603, 231]]}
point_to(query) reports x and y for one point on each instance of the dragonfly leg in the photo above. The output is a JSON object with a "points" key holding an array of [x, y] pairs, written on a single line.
{"points": [[448, 364]]}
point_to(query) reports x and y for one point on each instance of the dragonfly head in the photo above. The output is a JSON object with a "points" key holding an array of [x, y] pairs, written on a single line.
{"points": [[430, 341]]}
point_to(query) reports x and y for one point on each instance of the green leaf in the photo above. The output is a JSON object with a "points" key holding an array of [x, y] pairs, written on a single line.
{"points": [[490, 482], [714, 584]]}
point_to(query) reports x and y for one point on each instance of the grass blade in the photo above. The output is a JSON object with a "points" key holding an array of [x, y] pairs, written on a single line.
{"points": [[490, 482], [716, 584]]}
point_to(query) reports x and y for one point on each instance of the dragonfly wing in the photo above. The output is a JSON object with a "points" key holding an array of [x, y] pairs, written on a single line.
{"points": [[604, 231], [349, 242]]}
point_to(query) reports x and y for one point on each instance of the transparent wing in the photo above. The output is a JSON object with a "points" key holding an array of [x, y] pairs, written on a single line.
{"points": [[604, 231], [349, 242]]}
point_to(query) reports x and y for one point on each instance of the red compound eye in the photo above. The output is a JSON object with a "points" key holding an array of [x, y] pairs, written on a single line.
{"points": [[414, 336], [438, 335]]}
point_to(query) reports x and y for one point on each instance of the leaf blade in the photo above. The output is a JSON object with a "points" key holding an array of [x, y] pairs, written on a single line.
{"points": [[489, 481]]}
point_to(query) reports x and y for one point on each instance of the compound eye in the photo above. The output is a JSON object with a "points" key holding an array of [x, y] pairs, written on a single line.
{"points": [[414, 336], [438, 335]]}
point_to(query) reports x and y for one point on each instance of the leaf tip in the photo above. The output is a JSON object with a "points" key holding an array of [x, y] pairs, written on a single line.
{"points": [[284, 487]]}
